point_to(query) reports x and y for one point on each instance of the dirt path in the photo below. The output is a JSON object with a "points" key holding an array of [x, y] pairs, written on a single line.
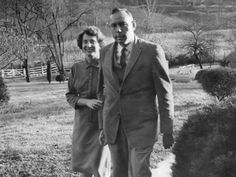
{"points": [[164, 167]]}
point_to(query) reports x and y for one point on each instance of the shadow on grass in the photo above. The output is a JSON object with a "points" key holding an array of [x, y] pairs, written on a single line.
{"points": [[55, 161], [186, 86], [23, 110], [188, 106]]}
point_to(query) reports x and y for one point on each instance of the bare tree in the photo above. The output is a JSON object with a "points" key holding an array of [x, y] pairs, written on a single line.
{"points": [[12, 47], [197, 44], [152, 9], [23, 22], [44, 20], [219, 12], [51, 33], [232, 26]]}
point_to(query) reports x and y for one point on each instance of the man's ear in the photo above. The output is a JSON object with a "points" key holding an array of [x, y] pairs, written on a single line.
{"points": [[134, 24]]}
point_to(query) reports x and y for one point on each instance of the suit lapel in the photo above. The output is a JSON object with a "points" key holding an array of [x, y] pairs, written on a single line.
{"points": [[133, 58], [109, 65]]}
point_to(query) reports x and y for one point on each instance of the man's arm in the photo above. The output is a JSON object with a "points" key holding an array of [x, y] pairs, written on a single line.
{"points": [[164, 91], [100, 95]]}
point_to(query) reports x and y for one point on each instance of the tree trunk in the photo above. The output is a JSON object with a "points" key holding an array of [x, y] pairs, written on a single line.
{"points": [[199, 61], [62, 72], [49, 75], [26, 66]]}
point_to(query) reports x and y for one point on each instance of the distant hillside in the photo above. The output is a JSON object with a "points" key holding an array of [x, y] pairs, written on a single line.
{"points": [[167, 16], [170, 2], [164, 24]]}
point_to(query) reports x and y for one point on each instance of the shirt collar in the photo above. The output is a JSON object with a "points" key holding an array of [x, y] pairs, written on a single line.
{"points": [[128, 47], [91, 64]]}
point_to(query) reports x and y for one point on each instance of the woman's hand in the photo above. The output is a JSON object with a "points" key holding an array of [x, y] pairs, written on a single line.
{"points": [[91, 103], [94, 103]]}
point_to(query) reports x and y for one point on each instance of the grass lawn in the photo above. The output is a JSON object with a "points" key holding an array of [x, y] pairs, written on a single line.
{"points": [[36, 127]]}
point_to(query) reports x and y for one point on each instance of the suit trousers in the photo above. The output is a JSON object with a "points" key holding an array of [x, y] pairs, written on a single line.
{"points": [[129, 161]]}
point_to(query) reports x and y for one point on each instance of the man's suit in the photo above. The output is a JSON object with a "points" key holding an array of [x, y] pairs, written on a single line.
{"points": [[131, 104]]}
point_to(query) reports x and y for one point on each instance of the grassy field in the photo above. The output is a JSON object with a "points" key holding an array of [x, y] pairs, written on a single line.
{"points": [[36, 127]]}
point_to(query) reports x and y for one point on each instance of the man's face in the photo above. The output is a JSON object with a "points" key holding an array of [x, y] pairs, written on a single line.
{"points": [[90, 46], [122, 27]]}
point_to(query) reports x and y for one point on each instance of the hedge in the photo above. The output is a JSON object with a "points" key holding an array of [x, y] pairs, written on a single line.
{"points": [[218, 82], [206, 145], [60, 78]]}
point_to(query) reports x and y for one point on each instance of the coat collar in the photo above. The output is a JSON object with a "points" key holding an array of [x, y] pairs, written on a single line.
{"points": [[136, 50], [109, 65]]}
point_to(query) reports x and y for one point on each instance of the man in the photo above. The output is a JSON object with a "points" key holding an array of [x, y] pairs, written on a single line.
{"points": [[133, 72]]}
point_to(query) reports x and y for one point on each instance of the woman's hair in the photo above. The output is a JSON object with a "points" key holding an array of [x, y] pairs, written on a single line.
{"points": [[91, 31]]}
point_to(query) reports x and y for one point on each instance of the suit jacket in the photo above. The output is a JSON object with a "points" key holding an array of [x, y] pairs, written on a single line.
{"points": [[133, 102]]}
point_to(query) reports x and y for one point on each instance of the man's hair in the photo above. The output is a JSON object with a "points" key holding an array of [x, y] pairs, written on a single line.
{"points": [[91, 31], [116, 10]]}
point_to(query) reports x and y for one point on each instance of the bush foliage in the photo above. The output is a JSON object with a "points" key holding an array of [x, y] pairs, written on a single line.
{"points": [[199, 75], [4, 97], [206, 145], [60, 78], [184, 59], [219, 82]]}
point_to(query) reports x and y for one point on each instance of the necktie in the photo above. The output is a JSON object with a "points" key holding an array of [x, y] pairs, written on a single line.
{"points": [[123, 57]]}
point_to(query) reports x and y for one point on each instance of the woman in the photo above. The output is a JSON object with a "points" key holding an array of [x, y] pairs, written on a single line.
{"points": [[81, 95]]}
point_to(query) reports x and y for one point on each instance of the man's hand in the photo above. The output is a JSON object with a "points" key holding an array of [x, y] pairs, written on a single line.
{"points": [[168, 140], [102, 139]]}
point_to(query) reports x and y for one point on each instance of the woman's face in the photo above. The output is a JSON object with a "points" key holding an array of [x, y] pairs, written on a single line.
{"points": [[90, 47]]}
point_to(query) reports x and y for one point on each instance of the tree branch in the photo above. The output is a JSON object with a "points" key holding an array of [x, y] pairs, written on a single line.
{"points": [[74, 21]]}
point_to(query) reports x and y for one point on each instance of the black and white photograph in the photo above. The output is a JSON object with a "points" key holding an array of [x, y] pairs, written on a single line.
{"points": [[117, 88]]}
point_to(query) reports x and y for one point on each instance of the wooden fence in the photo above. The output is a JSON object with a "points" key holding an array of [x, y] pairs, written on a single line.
{"points": [[33, 72]]}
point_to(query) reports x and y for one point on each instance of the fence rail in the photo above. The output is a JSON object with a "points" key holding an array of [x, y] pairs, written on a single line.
{"points": [[33, 72]]}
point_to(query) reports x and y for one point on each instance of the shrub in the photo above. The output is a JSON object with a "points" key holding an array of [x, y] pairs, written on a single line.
{"points": [[179, 60], [185, 59], [224, 62], [219, 82], [60, 78], [4, 97], [200, 74], [206, 145]]}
